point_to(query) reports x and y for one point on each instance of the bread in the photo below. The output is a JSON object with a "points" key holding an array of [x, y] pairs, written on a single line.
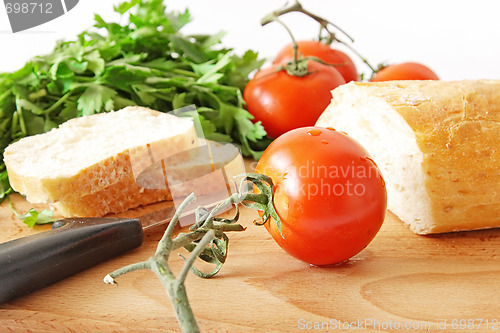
{"points": [[437, 144], [87, 166]]}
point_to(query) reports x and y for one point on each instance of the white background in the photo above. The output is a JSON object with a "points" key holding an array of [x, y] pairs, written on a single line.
{"points": [[458, 39]]}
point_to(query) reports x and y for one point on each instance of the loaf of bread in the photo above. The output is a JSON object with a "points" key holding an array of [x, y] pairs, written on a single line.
{"points": [[88, 165], [437, 144]]}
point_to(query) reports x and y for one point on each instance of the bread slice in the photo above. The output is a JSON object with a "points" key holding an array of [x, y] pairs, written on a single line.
{"points": [[437, 144], [87, 166]]}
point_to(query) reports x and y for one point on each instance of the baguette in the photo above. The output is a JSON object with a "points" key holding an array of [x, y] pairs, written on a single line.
{"points": [[87, 166], [437, 144]]}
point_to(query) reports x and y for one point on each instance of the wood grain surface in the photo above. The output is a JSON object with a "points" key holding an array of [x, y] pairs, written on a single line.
{"points": [[400, 283]]}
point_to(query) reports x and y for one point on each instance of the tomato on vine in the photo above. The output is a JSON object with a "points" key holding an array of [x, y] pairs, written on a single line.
{"points": [[297, 88], [285, 98], [329, 195], [404, 71], [310, 48]]}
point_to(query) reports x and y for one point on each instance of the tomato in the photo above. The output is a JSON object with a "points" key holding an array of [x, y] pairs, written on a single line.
{"points": [[310, 48], [283, 102], [329, 194], [405, 71]]}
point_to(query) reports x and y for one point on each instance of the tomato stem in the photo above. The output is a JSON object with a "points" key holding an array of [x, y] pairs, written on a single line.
{"points": [[296, 67], [324, 26], [295, 60], [206, 240]]}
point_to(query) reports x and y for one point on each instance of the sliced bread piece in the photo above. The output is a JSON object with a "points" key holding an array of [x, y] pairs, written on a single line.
{"points": [[87, 164], [437, 144]]}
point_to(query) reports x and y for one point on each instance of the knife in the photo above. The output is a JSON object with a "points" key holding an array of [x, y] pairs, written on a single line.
{"points": [[74, 244], [71, 246]]}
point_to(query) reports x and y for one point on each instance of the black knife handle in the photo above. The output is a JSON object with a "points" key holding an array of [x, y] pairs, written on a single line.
{"points": [[33, 262]]}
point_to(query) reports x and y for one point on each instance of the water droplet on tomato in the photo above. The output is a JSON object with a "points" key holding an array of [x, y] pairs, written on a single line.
{"points": [[368, 158], [324, 142], [382, 181], [314, 132], [331, 129]]}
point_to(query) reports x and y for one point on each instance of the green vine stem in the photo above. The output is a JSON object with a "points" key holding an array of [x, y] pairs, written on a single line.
{"points": [[205, 240], [324, 26]]}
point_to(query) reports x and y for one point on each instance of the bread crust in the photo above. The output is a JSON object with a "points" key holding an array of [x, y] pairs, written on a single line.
{"points": [[457, 128], [117, 198]]}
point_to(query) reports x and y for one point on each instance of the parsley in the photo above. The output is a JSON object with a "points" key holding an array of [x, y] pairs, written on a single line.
{"points": [[32, 216], [146, 61]]}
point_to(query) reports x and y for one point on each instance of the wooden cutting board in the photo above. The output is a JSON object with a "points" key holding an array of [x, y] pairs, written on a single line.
{"points": [[443, 283]]}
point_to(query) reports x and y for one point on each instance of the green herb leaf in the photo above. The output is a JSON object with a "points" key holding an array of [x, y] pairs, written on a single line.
{"points": [[95, 98], [126, 6], [33, 217], [5, 188], [209, 70], [95, 63]]}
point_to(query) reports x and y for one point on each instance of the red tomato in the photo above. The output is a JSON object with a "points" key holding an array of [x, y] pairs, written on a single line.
{"points": [[283, 102], [310, 48], [329, 194], [405, 71]]}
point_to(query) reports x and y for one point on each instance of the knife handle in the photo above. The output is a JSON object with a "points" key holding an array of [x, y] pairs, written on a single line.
{"points": [[33, 262]]}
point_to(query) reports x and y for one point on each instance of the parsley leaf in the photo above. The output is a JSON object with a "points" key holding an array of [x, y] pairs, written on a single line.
{"points": [[32, 216], [96, 98]]}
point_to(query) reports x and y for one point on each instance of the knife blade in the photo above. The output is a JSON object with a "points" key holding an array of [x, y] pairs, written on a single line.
{"points": [[74, 244]]}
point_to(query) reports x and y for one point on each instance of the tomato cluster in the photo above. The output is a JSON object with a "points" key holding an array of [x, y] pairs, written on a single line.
{"points": [[282, 99], [329, 195]]}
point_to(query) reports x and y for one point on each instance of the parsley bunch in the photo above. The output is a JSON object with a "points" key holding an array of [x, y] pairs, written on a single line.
{"points": [[146, 61]]}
